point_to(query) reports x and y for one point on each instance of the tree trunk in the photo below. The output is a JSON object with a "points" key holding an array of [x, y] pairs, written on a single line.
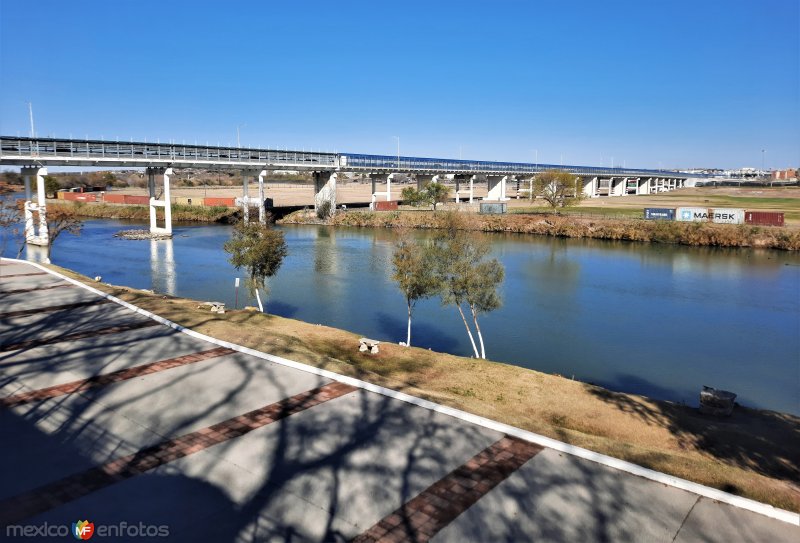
{"points": [[469, 332], [258, 299], [408, 337], [478, 328]]}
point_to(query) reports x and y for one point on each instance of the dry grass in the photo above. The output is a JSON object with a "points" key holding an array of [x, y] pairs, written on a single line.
{"points": [[684, 233], [753, 454]]}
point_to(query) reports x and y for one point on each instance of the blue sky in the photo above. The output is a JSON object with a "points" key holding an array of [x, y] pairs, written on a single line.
{"points": [[649, 83]]}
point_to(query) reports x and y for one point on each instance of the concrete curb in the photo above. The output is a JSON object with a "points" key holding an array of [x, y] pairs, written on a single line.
{"points": [[615, 463]]}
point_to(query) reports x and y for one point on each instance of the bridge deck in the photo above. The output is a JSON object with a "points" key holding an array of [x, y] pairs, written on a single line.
{"points": [[66, 152]]}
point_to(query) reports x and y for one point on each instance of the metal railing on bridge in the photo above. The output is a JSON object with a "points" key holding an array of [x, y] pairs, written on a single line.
{"points": [[67, 151], [443, 165]]}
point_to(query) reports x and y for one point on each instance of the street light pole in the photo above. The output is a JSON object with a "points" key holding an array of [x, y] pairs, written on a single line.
{"points": [[398, 150], [762, 162], [30, 112]]}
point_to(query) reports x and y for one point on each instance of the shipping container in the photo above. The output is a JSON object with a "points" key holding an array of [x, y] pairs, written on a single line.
{"points": [[659, 214], [137, 200], [488, 208], [80, 196], [718, 215], [726, 215], [689, 214], [764, 218], [385, 206], [114, 198], [218, 202]]}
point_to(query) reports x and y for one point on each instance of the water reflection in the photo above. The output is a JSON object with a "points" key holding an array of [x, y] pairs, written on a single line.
{"points": [[162, 266]]}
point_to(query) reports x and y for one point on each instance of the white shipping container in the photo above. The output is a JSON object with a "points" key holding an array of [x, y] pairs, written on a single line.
{"points": [[726, 215], [689, 214], [703, 214]]}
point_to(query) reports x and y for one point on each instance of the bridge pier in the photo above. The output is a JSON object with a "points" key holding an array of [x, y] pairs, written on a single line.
{"points": [[643, 186], [325, 190], [32, 236], [246, 175], [262, 212], [424, 179], [617, 186], [590, 187], [166, 203], [497, 187]]}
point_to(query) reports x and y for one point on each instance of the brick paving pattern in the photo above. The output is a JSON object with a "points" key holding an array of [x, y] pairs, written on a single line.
{"points": [[76, 305], [109, 378], [434, 508], [36, 289], [47, 497], [32, 343]]}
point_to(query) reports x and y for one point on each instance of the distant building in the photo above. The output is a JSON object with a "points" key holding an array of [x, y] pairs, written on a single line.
{"points": [[789, 174]]}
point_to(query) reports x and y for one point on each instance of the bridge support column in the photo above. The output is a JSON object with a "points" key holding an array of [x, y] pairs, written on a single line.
{"points": [[325, 190], [643, 186], [590, 187], [245, 197], [32, 236], [381, 178], [166, 203], [617, 186], [472, 187], [497, 187], [424, 179], [262, 212]]}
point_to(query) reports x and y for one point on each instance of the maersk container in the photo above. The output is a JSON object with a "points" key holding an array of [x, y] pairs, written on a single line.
{"points": [[488, 208], [689, 214], [764, 218], [725, 215], [659, 214]]}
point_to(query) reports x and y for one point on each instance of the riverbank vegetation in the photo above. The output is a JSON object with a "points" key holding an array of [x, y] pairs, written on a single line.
{"points": [[753, 453], [684, 233], [142, 213]]}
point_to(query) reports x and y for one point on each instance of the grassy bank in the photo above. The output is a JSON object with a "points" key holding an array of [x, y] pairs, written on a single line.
{"points": [[754, 453], [142, 213], [704, 234]]}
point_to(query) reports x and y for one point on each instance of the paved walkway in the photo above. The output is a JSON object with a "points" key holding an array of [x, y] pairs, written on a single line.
{"points": [[108, 416]]}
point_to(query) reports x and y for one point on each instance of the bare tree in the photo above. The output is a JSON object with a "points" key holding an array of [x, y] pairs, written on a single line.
{"points": [[558, 188], [467, 277], [415, 273], [258, 248], [10, 221], [60, 220]]}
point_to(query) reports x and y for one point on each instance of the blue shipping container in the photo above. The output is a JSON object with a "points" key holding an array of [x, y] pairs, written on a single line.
{"points": [[659, 213], [488, 208]]}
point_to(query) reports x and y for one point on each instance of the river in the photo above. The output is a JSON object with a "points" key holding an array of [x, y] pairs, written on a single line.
{"points": [[657, 320]]}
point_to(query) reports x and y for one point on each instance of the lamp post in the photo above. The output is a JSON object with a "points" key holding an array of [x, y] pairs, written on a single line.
{"points": [[762, 162], [398, 150]]}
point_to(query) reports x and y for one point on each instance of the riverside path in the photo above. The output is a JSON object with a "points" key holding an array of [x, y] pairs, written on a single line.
{"points": [[112, 416]]}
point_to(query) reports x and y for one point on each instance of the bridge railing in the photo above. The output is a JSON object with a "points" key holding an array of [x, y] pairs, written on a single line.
{"points": [[411, 164], [159, 152]]}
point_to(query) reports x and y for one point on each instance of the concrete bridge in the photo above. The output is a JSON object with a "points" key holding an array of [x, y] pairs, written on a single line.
{"points": [[159, 159]]}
